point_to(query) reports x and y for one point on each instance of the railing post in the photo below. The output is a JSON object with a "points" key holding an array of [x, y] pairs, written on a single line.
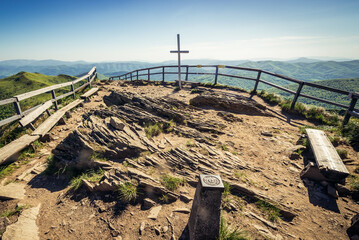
{"points": [[350, 108], [257, 81], [297, 95], [131, 76], [17, 107], [54, 97], [73, 90], [137, 75], [89, 81], [216, 76], [148, 75], [186, 73], [163, 74]]}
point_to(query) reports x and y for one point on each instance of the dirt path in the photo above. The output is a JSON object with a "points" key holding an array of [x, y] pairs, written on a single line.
{"points": [[265, 143]]}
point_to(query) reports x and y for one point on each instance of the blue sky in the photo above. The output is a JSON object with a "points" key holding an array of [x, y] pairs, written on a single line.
{"points": [[145, 30]]}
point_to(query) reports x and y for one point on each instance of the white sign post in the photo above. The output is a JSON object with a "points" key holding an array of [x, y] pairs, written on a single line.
{"points": [[179, 59]]}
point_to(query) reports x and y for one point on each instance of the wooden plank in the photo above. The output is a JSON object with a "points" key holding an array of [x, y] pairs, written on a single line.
{"points": [[80, 79], [328, 160], [92, 70], [7, 101], [89, 93], [9, 150], [23, 96], [54, 118], [9, 120], [35, 114]]}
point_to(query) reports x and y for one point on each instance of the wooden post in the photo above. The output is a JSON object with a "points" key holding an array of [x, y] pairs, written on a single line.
{"points": [[163, 74], [17, 107], [204, 221], [89, 81], [148, 75], [257, 81], [350, 108], [137, 75], [54, 97], [216, 76], [297, 95], [131, 76], [73, 90], [186, 73]]}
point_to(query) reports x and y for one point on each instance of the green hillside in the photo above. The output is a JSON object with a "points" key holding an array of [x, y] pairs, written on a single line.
{"points": [[307, 72], [348, 84], [23, 82]]}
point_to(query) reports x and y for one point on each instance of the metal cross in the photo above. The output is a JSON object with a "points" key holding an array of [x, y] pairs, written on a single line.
{"points": [[179, 59]]}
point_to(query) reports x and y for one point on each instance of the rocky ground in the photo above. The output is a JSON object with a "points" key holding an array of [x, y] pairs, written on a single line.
{"points": [[253, 147]]}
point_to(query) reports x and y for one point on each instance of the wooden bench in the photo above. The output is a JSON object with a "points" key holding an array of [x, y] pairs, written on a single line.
{"points": [[54, 118], [9, 151], [35, 114], [327, 159], [16, 146], [87, 94]]}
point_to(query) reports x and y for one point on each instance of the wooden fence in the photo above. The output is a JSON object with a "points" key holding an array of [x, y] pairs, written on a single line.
{"points": [[146, 72], [87, 78]]}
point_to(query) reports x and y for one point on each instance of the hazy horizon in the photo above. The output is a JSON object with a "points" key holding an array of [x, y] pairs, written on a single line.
{"points": [[139, 30]]}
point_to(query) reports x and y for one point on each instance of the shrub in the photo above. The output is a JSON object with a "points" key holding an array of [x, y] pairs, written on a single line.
{"points": [[351, 131], [172, 183], [128, 191], [153, 130]]}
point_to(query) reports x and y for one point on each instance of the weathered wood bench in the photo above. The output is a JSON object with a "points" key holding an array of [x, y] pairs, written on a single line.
{"points": [[9, 151], [16, 146], [327, 159], [54, 118], [87, 94], [35, 114]]}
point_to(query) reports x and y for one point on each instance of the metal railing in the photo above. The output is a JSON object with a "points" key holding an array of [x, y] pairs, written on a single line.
{"points": [[351, 110], [89, 77]]}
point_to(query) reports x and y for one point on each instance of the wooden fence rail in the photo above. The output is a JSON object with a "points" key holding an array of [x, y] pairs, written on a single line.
{"points": [[89, 77], [350, 110]]}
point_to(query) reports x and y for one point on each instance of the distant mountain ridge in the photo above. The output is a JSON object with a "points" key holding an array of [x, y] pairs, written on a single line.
{"points": [[302, 69]]}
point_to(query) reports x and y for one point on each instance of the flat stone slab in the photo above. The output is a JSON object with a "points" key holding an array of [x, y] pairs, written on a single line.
{"points": [[25, 227], [12, 191], [154, 212]]}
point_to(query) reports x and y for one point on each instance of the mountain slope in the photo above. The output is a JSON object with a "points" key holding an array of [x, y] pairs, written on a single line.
{"points": [[24, 82], [349, 84]]}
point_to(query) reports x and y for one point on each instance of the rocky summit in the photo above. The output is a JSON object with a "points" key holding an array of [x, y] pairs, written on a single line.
{"points": [[125, 165]]}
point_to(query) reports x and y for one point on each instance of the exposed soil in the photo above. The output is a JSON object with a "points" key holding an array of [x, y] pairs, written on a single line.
{"points": [[262, 143]]}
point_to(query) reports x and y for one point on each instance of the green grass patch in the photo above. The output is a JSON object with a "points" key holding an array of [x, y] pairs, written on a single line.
{"points": [[6, 170], [342, 153], [190, 143], [224, 147], [228, 233], [91, 176], [164, 198], [157, 128], [8, 213], [128, 192], [171, 182], [354, 182], [271, 211]]}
